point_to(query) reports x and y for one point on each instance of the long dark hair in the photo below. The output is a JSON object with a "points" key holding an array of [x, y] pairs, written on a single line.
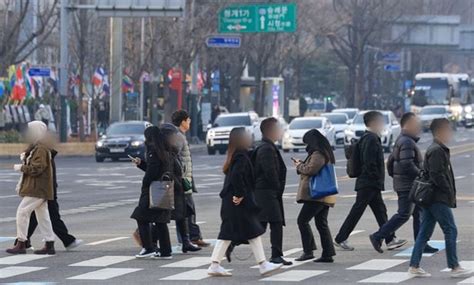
{"points": [[236, 139], [156, 142], [315, 141]]}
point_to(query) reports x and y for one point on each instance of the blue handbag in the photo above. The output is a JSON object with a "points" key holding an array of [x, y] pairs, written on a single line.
{"points": [[324, 183]]}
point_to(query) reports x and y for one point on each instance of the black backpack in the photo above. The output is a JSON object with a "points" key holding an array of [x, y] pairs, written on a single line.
{"points": [[353, 164], [422, 191]]}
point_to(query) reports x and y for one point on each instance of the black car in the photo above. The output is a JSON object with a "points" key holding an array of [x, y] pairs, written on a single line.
{"points": [[121, 140]]}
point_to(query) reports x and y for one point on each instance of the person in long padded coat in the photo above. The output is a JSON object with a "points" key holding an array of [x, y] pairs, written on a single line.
{"points": [[239, 211], [158, 162], [319, 154], [181, 210]]}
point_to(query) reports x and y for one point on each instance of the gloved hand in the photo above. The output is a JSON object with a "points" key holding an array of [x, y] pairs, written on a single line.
{"points": [[17, 167]]}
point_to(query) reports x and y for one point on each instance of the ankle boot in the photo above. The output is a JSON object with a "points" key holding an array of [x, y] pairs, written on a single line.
{"points": [[19, 248], [47, 249], [188, 246]]}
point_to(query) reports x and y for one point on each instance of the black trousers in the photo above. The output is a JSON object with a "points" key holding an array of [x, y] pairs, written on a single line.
{"points": [[160, 231], [365, 197], [276, 237], [59, 227], [194, 230], [319, 212]]}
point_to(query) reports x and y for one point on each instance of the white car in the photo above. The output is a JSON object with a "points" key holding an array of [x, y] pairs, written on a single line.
{"points": [[293, 138], [340, 121], [357, 128], [258, 132], [217, 138], [350, 112], [429, 113]]}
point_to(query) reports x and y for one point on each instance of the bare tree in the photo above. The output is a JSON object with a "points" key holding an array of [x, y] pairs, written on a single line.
{"points": [[18, 39]]}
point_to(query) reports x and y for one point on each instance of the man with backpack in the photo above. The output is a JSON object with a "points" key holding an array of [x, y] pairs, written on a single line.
{"points": [[442, 199], [369, 163], [404, 165]]}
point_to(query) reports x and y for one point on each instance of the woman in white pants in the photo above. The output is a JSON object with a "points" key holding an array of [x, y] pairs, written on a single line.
{"points": [[239, 210], [36, 188]]}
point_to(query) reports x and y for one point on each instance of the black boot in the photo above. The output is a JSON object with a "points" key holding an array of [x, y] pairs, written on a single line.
{"points": [[47, 249], [322, 259], [305, 256], [19, 248]]}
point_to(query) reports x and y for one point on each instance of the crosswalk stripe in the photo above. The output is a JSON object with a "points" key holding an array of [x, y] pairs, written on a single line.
{"points": [[5, 239], [439, 244], [465, 264], [469, 280], [192, 275], [21, 258], [294, 275], [378, 264], [192, 262], [104, 274], [292, 251], [104, 261], [356, 232], [11, 271], [387, 277], [107, 240]]}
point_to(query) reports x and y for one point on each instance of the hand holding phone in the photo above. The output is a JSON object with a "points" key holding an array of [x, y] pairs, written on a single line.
{"points": [[135, 160]]}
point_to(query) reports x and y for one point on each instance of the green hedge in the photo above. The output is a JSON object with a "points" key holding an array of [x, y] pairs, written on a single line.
{"points": [[11, 136]]}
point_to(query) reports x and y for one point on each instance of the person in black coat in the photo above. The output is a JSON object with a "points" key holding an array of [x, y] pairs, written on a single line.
{"points": [[270, 179], [370, 183], [158, 162], [240, 223], [181, 210]]}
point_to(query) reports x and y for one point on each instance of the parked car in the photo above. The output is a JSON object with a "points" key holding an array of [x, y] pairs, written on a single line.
{"points": [[350, 112], [293, 138], [429, 113], [258, 132], [217, 138], [121, 140], [340, 121], [468, 116], [357, 128]]}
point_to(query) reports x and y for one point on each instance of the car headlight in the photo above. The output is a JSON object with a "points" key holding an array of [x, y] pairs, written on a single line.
{"points": [[136, 143], [468, 109], [100, 144], [211, 133], [286, 136], [469, 116]]}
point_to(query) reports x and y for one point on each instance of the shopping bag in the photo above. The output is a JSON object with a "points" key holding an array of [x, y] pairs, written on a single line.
{"points": [[324, 183]]}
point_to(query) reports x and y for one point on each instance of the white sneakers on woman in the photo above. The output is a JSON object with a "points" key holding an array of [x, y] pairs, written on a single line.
{"points": [[265, 268], [458, 272]]}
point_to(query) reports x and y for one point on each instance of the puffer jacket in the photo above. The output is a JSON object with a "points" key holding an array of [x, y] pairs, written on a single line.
{"points": [[310, 167], [37, 174], [186, 159], [405, 162]]}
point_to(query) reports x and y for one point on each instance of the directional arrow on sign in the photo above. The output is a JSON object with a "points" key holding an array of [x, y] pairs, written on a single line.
{"points": [[262, 22]]}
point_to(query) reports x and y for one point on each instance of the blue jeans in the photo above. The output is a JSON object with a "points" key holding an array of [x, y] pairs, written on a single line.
{"points": [[405, 210], [441, 213]]}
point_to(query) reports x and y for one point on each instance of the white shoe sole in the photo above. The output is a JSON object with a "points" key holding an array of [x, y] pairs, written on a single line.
{"points": [[343, 248], [419, 275], [271, 271], [144, 256], [397, 246]]}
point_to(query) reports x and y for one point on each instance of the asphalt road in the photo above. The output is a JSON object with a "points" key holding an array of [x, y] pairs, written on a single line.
{"points": [[97, 199]]}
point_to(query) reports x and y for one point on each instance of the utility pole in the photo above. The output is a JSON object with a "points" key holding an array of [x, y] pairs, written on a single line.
{"points": [[142, 63], [116, 47], [63, 64]]}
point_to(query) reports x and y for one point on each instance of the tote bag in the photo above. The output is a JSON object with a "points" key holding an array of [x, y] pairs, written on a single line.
{"points": [[162, 193], [324, 183]]}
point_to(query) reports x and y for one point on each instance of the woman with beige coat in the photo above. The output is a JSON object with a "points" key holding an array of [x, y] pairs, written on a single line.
{"points": [[319, 154], [35, 188]]}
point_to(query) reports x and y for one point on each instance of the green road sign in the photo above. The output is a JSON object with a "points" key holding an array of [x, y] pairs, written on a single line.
{"points": [[267, 18]]}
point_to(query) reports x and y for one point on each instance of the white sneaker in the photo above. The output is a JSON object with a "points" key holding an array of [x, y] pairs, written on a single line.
{"points": [[418, 272], [344, 245], [396, 243], [217, 270], [460, 272], [268, 267], [74, 244]]}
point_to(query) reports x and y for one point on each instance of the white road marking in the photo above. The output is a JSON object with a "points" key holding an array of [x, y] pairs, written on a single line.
{"points": [[292, 251], [464, 264], [387, 277], [378, 264], [192, 262], [21, 258], [356, 232], [348, 196], [294, 275], [18, 270], [104, 274], [469, 280], [104, 261], [4, 239], [196, 274], [115, 187], [460, 177], [9, 196], [107, 240], [212, 179], [209, 184]]}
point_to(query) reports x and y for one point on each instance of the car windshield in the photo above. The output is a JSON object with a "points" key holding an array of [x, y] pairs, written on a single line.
{"points": [[228, 121], [349, 113], [433, 111], [359, 119], [337, 119], [126, 129], [306, 124]]}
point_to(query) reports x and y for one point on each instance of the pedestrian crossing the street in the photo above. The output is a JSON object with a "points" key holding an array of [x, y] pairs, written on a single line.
{"points": [[194, 268]]}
